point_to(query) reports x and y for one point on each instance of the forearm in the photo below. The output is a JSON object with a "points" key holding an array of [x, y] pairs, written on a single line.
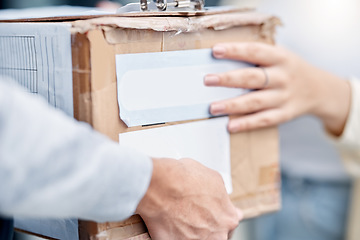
{"points": [[332, 102], [53, 166]]}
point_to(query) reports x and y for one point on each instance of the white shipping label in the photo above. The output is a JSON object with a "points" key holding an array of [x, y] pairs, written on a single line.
{"points": [[168, 86], [207, 142]]}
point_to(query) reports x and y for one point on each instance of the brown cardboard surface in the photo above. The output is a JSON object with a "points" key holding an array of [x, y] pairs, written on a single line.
{"points": [[254, 155]]}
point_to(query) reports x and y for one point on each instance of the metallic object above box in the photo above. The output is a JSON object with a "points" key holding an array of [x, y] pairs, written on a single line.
{"points": [[163, 5]]}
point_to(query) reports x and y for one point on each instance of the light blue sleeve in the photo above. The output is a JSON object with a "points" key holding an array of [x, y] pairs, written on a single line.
{"points": [[53, 166]]}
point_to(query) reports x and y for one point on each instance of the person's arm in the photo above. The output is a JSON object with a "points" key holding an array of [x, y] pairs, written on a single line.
{"points": [[53, 166], [294, 88]]}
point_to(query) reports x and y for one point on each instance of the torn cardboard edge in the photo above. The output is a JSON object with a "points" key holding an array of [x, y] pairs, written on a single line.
{"points": [[177, 24]]}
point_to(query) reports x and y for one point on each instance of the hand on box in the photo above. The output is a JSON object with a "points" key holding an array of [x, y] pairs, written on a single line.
{"points": [[186, 200], [286, 85]]}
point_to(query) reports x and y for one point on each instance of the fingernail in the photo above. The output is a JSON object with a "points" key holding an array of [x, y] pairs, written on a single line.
{"points": [[240, 214], [217, 108], [233, 128], [219, 51], [211, 80]]}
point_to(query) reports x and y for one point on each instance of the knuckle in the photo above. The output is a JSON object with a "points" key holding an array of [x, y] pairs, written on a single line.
{"points": [[284, 79], [233, 49], [252, 50], [265, 122], [233, 106], [225, 79], [251, 77], [217, 178], [281, 81], [217, 175], [250, 74], [282, 53], [234, 223], [254, 105], [245, 125]]}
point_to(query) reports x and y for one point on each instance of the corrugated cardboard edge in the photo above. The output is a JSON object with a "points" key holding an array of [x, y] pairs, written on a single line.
{"points": [[131, 227], [80, 46], [176, 24]]}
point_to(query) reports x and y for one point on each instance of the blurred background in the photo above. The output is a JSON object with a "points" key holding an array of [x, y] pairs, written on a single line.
{"points": [[316, 190]]}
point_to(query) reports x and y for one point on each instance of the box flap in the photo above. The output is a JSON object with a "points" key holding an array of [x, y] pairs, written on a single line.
{"points": [[178, 24]]}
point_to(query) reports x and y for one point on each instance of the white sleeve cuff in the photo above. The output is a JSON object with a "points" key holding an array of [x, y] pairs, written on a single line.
{"points": [[349, 142]]}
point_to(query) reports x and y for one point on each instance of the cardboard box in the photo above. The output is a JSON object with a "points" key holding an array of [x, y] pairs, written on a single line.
{"points": [[94, 44]]}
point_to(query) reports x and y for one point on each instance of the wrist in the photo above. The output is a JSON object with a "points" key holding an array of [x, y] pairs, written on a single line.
{"points": [[145, 203], [332, 102], [160, 188]]}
